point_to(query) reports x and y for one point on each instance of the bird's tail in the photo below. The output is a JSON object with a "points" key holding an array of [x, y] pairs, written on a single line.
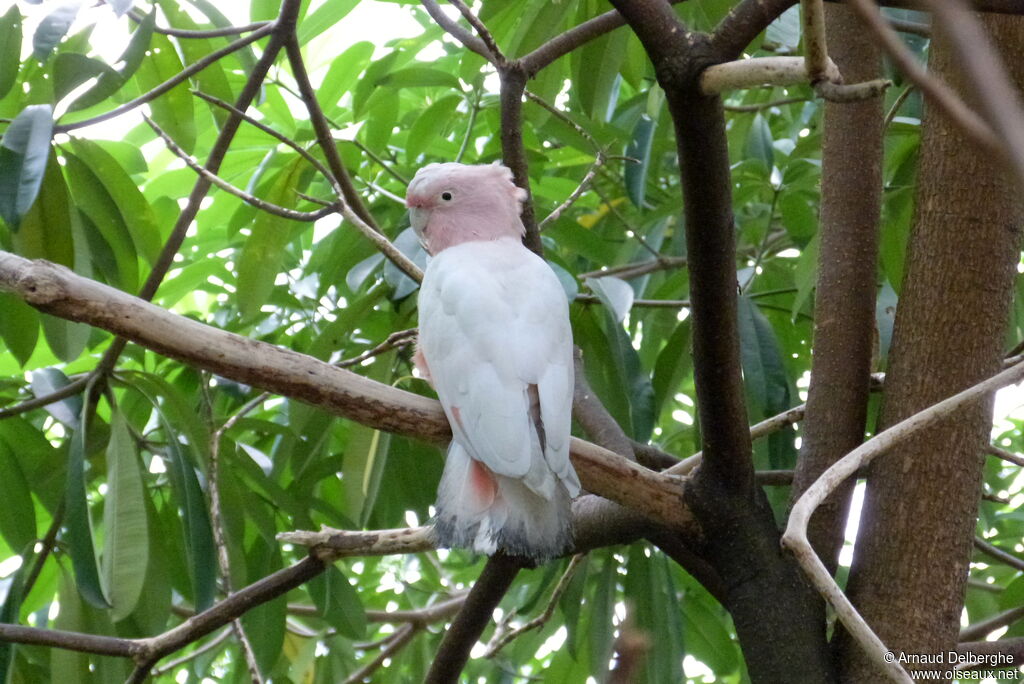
{"points": [[483, 511]]}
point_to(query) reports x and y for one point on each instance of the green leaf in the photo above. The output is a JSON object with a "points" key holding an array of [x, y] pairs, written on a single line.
{"points": [[433, 124], [614, 293], [126, 529], [53, 28], [173, 111], [408, 243], [413, 77], [263, 254], [68, 411], [339, 603], [344, 73], [79, 527], [93, 200], [9, 612], [24, 151], [71, 70], [324, 17], [759, 142], [69, 667], [763, 371], [195, 520], [136, 213], [10, 49], [706, 637], [265, 624], [597, 69], [110, 82], [632, 379], [639, 148], [18, 514], [19, 327], [674, 363], [805, 275]]}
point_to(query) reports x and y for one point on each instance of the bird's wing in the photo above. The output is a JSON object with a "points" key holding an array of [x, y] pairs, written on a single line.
{"points": [[493, 322]]}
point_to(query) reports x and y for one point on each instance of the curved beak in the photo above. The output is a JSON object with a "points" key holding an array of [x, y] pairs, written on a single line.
{"points": [[418, 217]]}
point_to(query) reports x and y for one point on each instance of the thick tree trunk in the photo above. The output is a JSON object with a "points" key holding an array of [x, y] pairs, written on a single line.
{"points": [[844, 309], [910, 566]]}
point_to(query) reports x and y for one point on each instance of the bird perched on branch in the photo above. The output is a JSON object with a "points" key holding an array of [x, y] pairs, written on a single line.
{"points": [[495, 342]]}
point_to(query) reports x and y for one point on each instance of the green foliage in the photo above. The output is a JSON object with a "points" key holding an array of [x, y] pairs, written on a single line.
{"points": [[128, 471]]}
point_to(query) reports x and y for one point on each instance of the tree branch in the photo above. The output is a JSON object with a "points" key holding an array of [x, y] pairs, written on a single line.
{"points": [[795, 536], [56, 290], [495, 580], [180, 77]]}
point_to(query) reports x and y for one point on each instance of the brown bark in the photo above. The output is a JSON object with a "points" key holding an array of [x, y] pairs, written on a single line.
{"points": [[910, 569], [844, 310]]}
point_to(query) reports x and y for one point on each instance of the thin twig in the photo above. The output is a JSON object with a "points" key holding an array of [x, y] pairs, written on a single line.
{"points": [[947, 101], [74, 387], [795, 536], [219, 536], [757, 431], [999, 554], [214, 179], [764, 105], [481, 30], [1007, 456], [897, 103], [395, 643], [637, 268], [503, 638], [351, 205], [574, 195], [468, 40], [137, 17], [395, 340], [173, 81], [299, 149], [188, 657]]}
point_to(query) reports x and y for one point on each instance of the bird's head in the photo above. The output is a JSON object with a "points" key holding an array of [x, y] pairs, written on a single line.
{"points": [[454, 203]]}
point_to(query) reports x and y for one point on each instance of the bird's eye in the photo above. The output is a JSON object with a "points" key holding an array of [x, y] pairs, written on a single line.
{"points": [[446, 196]]}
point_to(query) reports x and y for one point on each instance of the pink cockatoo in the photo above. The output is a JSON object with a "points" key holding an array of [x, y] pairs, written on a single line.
{"points": [[495, 343]]}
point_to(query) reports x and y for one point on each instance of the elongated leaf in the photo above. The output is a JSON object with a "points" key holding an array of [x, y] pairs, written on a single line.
{"points": [[265, 624], [110, 82], [126, 529], [19, 327], [195, 520], [412, 77], [173, 110], [136, 213], [339, 603], [324, 17], [639, 148], [759, 142], [431, 125], [23, 153], [93, 200], [9, 614], [177, 420], [48, 380], [18, 513], [263, 253], [71, 70], [212, 80], [53, 28], [79, 527], [763, 371], [344, 72], [10, 49], [69, 667], [614, 293]]}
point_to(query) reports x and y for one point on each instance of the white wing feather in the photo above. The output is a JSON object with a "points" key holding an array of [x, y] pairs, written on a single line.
{"points": [[493, 322]]}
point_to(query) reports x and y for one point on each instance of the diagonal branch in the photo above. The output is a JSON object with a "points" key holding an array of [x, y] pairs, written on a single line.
{"points": [[56, 290], [795, 537]]}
